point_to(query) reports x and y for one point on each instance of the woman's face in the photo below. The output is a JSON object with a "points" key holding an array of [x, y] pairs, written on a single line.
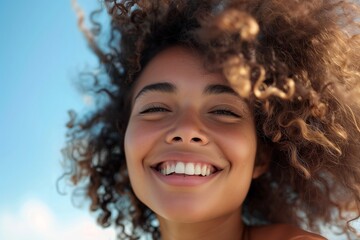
{"points": [[190, 144]]}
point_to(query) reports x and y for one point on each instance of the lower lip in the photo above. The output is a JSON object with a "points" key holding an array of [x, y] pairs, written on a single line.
{"points": [[184, 180]]}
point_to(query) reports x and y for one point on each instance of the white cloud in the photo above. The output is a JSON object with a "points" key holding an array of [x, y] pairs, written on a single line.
{"points": [[35, 221]]}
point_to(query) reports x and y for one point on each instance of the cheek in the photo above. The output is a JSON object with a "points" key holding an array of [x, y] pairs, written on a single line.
{"points": [[139, 137], [239, 145], [134, 145], [239, 148], [139, 140], [133, 153]]}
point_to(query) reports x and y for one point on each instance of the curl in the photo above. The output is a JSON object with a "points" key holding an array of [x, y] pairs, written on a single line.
{"points": [[263, 91], [234, 21], [237, 72]]}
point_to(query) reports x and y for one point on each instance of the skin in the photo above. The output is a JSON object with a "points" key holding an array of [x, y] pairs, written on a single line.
{"points": [[178, 115]]}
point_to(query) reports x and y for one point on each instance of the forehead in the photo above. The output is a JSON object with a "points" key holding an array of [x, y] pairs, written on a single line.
{"points": [[180, 66]]}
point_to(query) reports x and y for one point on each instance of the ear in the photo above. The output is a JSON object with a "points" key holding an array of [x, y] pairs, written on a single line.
{"points": [[262, 161], [259, 170]]}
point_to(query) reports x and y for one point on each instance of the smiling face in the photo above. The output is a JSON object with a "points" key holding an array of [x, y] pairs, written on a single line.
{"points": [[190, 144]]}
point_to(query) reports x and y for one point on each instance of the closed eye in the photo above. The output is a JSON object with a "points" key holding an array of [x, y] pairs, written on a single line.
{"points": [[154, 109], [225, 112]]}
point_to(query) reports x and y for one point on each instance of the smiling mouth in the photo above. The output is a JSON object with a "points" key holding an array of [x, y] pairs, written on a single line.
{"points": [[186, 169]]}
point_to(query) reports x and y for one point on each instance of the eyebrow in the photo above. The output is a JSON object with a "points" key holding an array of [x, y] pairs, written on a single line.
{"points": [[167, 87], [219, 89], [157, 87]]}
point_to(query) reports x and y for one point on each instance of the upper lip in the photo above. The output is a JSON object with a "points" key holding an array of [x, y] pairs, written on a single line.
{"points": [[185, 157]]}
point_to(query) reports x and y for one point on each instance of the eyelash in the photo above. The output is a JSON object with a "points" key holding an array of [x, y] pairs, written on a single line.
{"points": [[154, 109], [225, 112], [157, 109]]}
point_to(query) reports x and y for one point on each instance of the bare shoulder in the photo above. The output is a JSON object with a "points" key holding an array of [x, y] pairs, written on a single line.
{"points": [[282, 232]]}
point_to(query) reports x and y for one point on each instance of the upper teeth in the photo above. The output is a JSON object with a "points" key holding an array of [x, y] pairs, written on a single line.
{"points": [[186, 168]]}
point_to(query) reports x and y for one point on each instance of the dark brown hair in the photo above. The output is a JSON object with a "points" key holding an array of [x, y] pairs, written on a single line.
{"points": [[297, 63]]}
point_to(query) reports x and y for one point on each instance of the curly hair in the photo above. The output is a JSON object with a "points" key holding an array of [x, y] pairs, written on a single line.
{"points": [[297, 63]]}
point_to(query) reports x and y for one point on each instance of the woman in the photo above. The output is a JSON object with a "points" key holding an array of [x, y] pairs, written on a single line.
{"points": [[224, 120]]}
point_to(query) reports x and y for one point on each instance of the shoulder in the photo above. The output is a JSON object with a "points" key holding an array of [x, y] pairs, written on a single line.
{"points": [[282, 232]]}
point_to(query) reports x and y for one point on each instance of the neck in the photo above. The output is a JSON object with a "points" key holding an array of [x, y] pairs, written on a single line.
{"points": [[229, 227]]}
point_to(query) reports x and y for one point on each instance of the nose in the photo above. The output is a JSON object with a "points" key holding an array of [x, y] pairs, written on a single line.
{"points": [[187, 129]]}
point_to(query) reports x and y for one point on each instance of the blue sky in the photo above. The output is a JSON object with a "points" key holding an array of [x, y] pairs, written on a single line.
{"points": [[41, 54]]}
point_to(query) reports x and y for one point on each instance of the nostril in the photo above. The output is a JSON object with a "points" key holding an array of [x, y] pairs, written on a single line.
{"points": [[196, 139], [177, 139]]}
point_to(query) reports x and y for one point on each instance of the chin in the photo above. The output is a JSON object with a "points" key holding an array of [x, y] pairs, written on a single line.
{"points": [[187, 210], [182, 216]]}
